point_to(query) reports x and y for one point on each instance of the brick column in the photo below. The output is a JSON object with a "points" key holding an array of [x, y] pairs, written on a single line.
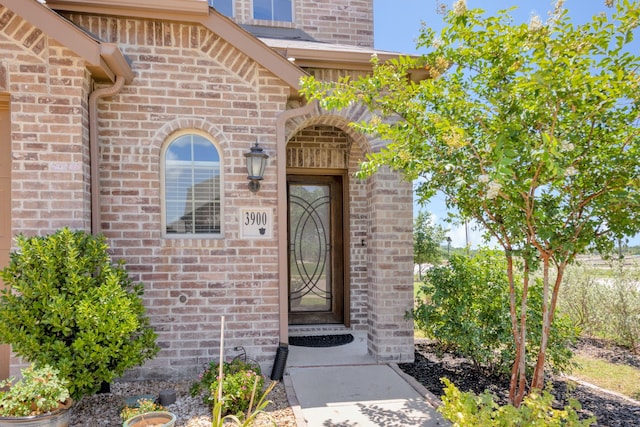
{"points": [[390, 268]]}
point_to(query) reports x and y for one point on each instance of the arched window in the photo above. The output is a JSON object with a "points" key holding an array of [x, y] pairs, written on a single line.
{"points": [[192, 186]]}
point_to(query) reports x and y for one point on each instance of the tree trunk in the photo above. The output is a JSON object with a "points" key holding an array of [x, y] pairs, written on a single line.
{"points": [[548, 312], [519, 328]]}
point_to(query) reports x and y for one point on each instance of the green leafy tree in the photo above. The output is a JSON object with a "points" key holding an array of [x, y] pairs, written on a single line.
{"points": [[427, 238], [530, 129]]}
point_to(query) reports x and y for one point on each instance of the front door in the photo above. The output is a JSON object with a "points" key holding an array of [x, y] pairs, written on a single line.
{"points": [[316, 249]]}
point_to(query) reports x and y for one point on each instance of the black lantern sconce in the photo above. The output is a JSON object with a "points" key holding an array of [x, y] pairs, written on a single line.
{"points": [[256, 162]]}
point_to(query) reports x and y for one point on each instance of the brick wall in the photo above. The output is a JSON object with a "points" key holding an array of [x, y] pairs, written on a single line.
{"points": [[188, 78], [391, 268], [359, 226], [334, 21], [48, 86], [337, 21], [320, 146]]}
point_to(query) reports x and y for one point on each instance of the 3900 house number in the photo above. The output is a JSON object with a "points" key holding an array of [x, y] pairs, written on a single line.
{"points": [[255, 218], [256, 223]]}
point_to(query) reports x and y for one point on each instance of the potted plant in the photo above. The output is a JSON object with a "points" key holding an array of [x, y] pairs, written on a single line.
{"points": [[152, 419], [147, 413], [39, 398], [69, 306]]}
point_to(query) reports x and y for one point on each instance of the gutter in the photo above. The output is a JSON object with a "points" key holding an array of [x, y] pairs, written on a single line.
{"points": [[118, 64]]}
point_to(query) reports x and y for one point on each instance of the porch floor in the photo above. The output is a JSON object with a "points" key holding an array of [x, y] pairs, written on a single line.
{"points": [[354, 353], [344, 386]]}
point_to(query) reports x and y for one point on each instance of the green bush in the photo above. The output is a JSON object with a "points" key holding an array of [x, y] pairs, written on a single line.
{"points": [[604, 307], [237, 385], [466, 409], [464, 306], [581, 298], [66, 305]]}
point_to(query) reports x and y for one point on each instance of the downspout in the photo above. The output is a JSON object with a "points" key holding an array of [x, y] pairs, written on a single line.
{"points": [[115, 61], [94, 164]]}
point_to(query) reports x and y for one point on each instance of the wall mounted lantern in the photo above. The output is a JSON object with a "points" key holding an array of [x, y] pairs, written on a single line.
{"points": [[256, 162]]}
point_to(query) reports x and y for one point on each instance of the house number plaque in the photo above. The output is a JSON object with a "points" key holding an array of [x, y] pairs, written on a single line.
{"points": [[256, 223]]}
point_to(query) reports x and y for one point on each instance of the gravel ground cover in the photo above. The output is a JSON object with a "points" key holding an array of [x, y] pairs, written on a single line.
{"points": [[610, 410], [104, 409]]}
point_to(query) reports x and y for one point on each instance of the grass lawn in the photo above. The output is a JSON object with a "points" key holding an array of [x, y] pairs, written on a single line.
{"points": [[622, 379]]}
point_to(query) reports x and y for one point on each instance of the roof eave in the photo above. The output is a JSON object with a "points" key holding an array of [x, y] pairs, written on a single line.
{"points": [[331, 58], [254, 48], [213, 20], [102, 61], [354, 61], [168, 7]]}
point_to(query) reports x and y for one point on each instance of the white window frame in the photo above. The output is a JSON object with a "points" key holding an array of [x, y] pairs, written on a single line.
{"points": [[163, 187]]}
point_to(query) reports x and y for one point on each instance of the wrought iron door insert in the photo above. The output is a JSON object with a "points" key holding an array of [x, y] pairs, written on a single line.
{"points": [[316, 292]]}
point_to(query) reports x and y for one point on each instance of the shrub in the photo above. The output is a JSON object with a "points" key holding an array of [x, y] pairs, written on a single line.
{"points": [[237, 385], [465, 308], [68, 306], [256, 408], [39, 391], [604, 307], [466, 409]]}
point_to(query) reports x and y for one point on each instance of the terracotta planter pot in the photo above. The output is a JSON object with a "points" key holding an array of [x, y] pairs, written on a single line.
{"points": [[58, 418], [151, 419]]}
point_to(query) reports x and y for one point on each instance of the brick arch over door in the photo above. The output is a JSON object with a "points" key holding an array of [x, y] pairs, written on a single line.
{"points": [[380, 242], [319, 146], [312, 114], [319, 139]]}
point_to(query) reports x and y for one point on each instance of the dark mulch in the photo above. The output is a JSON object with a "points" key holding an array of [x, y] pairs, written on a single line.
{"points": [[609, 410]]}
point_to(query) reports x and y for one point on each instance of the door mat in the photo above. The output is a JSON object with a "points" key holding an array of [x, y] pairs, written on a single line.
{"points": [[321, 340]]}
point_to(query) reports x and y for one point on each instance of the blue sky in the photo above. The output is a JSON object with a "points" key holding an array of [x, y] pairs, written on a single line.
{"points": [[397, 24]]}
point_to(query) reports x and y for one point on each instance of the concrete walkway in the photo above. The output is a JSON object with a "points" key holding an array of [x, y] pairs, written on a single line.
{"points": [[344, 387]]}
